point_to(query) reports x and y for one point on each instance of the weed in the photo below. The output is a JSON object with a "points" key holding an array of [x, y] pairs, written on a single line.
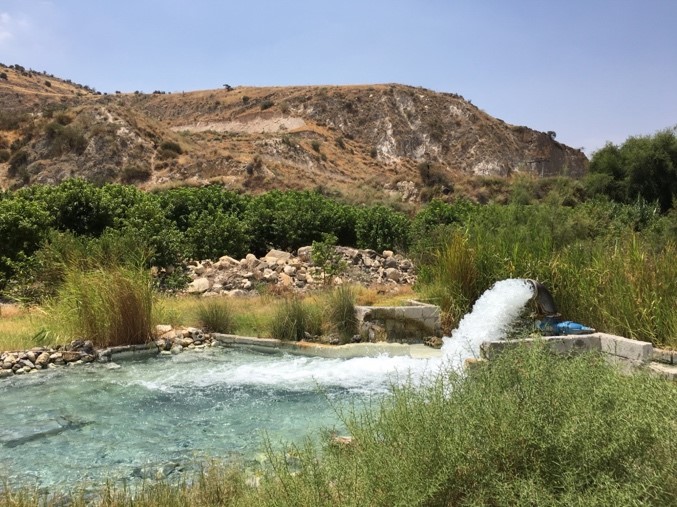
{"points": [[294, 319], [216, 316]]}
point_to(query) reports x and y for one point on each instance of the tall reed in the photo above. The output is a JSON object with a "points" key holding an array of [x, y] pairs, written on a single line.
{"points": [[108, 306]]}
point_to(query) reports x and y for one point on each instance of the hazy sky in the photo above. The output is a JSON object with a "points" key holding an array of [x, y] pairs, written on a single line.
{"points": [[591, 70]]}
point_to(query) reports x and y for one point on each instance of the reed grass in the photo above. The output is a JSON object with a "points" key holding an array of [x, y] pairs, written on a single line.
{"points": [[295, 319], [340, 311], [216, 316], [107, 306]]}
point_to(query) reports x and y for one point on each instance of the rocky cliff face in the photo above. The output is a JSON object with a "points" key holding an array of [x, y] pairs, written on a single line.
{"points": [[341, 137]]}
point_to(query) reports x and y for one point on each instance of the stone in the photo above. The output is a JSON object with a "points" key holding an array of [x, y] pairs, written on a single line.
{"points": [[286, 280], [30, 355], [393, 274], [246, 284], [6, 373], [626, 348], [56, 356], [388, 253], [161, 329], [42, 360], [199, 269], [304, 253], [391, 262], [277, 255], [227, 261], [6, 365], [70, 356], [289, 270], [10, 358], [176, 349], [198, 286]]}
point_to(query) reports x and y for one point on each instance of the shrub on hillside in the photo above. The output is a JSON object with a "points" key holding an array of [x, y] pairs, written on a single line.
{"points": [[135, 173]]}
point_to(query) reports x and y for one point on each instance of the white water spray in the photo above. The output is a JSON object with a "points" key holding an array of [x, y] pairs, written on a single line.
{"points": [[489, 319]]}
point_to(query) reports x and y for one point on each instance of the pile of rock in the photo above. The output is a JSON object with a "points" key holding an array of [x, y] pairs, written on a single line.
{"points": [[169, 341], [41, 358], [296, 272]]}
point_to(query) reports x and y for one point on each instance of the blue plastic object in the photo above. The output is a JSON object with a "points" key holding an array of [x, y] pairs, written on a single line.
{"points": [[552, 326]]}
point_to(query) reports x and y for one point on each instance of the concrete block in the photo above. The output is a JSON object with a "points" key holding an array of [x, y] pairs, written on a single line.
{"points": [[664, 356], [573, 344], [666, 371], [491, 350], [626, 348]]}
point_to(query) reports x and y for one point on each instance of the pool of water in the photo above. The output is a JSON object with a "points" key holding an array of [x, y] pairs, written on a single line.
{"points": [[152, 418], [144, 418]]}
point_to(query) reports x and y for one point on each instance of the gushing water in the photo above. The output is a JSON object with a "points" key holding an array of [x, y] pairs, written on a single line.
{"points": [[489, 319], [96, 422]]}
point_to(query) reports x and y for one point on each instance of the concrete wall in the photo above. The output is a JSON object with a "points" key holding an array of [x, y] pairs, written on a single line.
{"points": [[624, 352], [402, 324]]}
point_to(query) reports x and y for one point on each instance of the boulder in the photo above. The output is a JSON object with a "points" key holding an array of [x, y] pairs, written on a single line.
{"points": [[198, 286], [277, 255]]}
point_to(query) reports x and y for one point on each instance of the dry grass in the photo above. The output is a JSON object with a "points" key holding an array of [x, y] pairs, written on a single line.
{"points": [[19, 327]]}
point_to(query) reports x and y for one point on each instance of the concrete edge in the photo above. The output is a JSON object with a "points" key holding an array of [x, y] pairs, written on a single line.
{"points": [[346, 351]]}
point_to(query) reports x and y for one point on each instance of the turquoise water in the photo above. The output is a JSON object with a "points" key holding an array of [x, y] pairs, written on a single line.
{"points": [[131, 420]]}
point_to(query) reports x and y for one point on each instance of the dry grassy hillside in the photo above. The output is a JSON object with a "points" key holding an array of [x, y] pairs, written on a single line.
{"points": [[353, 139]]}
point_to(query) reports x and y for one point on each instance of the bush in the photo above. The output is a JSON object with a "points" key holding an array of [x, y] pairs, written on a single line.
{"points": [[216, 316], [133, 173], [267, 104], [171, 146], [294, 319], [325, 256], [527, 429], [4, 155], [212, 234], [381, 228], [108, 306], [65, 139]]}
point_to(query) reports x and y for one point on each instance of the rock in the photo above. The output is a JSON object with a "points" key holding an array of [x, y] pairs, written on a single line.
{"points": [[198, 286], [6, 365], [30, 355], [237, 293], [161, 329], [227, 261], [304, 253], [276, 255], [388, 253], [289, 270], [10, 358], [199, 270], [285, 280], [6, 373], [246, 284], [56, 356], [70, 356], [393, 274], [42, 360], [391, 262], [176, 349]]}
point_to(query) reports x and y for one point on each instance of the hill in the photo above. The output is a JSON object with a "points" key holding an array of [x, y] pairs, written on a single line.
{"points": [[352, 139]]}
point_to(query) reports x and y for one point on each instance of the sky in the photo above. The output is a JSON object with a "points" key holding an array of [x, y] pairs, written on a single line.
{"points": [[592, 71]]}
